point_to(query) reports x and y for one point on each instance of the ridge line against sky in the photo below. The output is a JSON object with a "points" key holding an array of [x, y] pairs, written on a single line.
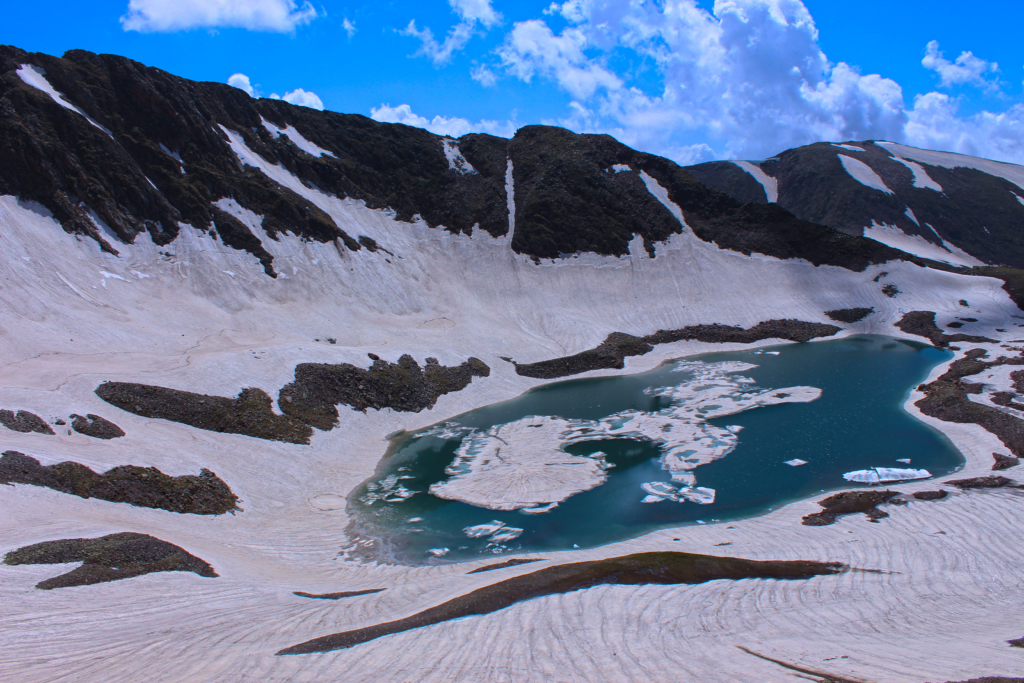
{"points": [[692, 80]]}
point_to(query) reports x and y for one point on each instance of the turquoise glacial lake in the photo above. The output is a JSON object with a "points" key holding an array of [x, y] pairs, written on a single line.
{"points": [[416, 508]]}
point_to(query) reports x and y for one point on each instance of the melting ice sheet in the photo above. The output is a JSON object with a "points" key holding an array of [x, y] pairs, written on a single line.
{"points": [[523, 465]]}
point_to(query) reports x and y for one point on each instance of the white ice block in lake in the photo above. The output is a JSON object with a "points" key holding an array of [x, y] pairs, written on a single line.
{"points": [[795, 462], [481, 530], [881, 475]]}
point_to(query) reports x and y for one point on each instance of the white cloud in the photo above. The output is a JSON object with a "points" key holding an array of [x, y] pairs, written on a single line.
{"points": [[476, 10], [471, 13], [532, 48], [746, 79], [441, 125], [281, 16], [934, 124], [350, 28], [302, 98], [966, 69], [241, 81]]}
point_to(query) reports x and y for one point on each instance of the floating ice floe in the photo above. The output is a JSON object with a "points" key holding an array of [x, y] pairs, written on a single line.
{"points": [[497, 532], [659, 490], [905, 461], [522, 465], [795, 462], [438, 552], [880, 475], [389, 490], [481, 530]]}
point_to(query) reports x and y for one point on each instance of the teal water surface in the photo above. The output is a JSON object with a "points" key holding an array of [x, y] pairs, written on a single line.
{"points": [[857, 423]]}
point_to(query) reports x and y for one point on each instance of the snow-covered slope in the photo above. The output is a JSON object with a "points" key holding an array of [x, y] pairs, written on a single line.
{"points": [[195, 312]]}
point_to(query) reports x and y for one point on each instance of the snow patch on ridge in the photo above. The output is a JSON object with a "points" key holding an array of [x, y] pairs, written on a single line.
{"points": [[863, 174], [1010, 172], [295, 136], [36, 77], [770, 185], [892, 236], [456, 162], [921, 177], [661, 194]]}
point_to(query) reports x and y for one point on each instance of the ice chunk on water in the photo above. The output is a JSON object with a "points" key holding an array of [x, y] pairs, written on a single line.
{"points": [[795, 462], [905, 461], [481, 530], [699, 495], [507, 534], [438, 552], [881, 475]]}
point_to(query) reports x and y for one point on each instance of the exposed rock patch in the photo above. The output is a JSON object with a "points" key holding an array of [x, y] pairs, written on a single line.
{"points": [[96, 427], [108, 558], [319, 387], [947, 399], [850, 502], [930, 495], [502, 565], [338, 596], [989, 482], [250, 414], [664, 568], [849, 315], [202, 494], [1004, 462], [611, 353], [24, 422], [922, 324]]}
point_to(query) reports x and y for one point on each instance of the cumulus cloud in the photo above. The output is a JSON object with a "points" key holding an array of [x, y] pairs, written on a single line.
{"points": [[241, 81], [350, 28], [282, 16], [746, 79], [471, 13], [302, 98], [532, 48], [966, 69], [441, 125]]}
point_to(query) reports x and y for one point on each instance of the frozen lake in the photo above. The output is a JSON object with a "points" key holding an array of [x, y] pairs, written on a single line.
{"points": [[708, 438]]}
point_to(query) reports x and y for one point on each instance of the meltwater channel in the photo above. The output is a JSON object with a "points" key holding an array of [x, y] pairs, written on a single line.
{"points": [[714, 437]]}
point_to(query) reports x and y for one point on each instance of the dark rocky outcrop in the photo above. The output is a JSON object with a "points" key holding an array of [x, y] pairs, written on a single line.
{"points": [[338, 596], [611, 353], [108, 558], [930, 495], [320, 387], [922, 324], [250, 414], [24, 421], [503, 565], [727, 177], [947, 399], [849, 315], [989, 482], [850, 502], [663, 568], [1004, 462], [202, 494], [96, 427]]}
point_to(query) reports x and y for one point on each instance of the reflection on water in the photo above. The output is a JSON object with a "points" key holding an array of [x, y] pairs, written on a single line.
{"points": [[713, 437]]}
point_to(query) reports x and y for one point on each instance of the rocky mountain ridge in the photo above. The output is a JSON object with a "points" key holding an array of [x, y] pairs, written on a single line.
{"points": [[114, 149]]}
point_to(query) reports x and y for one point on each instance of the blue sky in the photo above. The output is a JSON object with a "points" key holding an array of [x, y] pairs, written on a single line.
{"points": [[691, 79]]}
